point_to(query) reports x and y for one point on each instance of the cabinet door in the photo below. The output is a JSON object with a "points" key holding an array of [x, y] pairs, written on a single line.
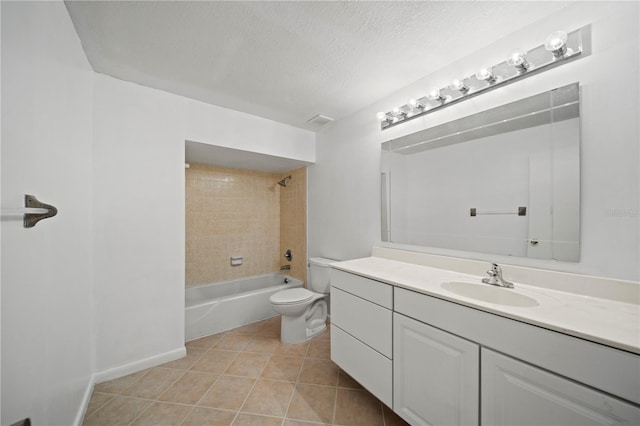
{"points": [[515, 393], [436, 375]]}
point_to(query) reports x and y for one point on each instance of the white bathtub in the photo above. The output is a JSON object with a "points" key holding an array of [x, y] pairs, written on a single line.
{"points": [[216, 307]]}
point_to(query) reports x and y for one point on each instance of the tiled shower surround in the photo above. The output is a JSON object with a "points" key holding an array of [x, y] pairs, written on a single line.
{"points": [[236, 212]]}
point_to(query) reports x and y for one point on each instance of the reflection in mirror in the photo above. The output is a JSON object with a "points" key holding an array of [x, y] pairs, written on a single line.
{"points": [[502, 181]]}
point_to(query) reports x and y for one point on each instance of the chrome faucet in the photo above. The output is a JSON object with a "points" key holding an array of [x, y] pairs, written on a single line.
{"points": [[495, 277]]}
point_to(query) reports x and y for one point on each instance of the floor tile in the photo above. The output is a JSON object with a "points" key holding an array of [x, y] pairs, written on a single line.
{"points": [[358, 408], [244, 419], [248, 364], [161, 413], [291, 422], [283, 368], [189, 388], [98, 400], [326, 335], [186, 362], [233, 342], [271, 327], [227, 392], [269, 397], [201, 416], [346, 381], [319, 349], [152, 384], [297, 350], [319, 372], [312, 403], [244, 376], [118, 385], [205, 342], [262, 344], [119, 411], [254, 328], [214, 361]]}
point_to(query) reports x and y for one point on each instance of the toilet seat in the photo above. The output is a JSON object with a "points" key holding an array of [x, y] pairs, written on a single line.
{"points": [[291, 296]]}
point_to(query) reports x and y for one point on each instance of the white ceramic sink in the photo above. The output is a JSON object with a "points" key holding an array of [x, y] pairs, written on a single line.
{"points": [[490, 293]]}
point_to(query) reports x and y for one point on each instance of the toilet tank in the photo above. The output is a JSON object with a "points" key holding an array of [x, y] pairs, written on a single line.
{"points": [[319, 271]]}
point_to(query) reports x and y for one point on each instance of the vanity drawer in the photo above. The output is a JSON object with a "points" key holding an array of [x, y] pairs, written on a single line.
{"points": [[368, 367], [368, 322], [371, 290]]}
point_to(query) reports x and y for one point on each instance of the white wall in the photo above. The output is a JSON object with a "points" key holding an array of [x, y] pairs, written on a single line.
{"points": [[223, 127], [47, 97], [138, 177], [99, 289], [139, 229], [344, 194]]}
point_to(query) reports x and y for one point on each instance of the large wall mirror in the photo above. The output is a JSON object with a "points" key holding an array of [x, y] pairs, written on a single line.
{"points": [[503, 181]]}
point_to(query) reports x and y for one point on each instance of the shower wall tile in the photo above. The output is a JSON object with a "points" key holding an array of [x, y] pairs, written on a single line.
{"points": [[231, 212]]}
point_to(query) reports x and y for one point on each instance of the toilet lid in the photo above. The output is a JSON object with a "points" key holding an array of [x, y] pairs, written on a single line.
{"points": [[293, 295]]}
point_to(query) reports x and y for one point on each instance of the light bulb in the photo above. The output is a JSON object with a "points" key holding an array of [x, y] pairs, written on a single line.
{"points": [[381, 116], [556, 43], [415, 104], [398, 112], [459, 86], [517, 60], [435, 95], [487, 75]]}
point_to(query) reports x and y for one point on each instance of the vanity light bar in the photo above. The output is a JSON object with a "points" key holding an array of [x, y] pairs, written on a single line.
{"points": [[558, 48]]}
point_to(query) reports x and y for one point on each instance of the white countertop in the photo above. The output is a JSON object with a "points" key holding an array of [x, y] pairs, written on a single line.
{"points": [[612, 323]]}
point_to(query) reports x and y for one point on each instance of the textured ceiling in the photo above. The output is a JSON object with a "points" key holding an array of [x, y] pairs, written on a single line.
{"points": [[288, 61]]}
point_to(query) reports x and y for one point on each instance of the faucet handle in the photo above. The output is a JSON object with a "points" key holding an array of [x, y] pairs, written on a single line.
{"points": [[494, 271]]}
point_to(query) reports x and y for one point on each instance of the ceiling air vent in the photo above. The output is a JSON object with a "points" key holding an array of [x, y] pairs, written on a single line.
{"points": [[320, 120]]}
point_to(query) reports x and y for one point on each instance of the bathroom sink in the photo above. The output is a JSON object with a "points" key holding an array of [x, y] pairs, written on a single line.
{"points": [[490, 293]]}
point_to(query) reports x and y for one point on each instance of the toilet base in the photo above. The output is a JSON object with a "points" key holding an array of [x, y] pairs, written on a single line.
{"points": [[300, 328]]}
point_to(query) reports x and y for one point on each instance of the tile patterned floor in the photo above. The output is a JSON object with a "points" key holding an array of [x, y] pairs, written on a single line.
{"points": [[245, 376]]}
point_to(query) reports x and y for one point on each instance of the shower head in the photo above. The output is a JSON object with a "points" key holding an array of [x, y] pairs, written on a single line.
{"points": [[283, 182]]}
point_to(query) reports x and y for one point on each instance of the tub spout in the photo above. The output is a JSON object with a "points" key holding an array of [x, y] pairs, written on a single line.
{"points": [[285, 267]]}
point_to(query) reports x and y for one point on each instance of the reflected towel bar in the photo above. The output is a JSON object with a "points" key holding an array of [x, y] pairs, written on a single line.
{"points": [[522, 211]]}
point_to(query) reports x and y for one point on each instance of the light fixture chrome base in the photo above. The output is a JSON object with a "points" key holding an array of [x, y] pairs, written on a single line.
{"points": [[537, 60]]}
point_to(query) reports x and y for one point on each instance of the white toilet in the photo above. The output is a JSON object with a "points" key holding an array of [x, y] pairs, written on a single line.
{"points": [[304, 312]]}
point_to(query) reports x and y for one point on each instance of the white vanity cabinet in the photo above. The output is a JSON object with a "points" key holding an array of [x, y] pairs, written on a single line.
{"points": [[361, 331], [517, 394], [440, 362], [543, 391], [436, 375]]}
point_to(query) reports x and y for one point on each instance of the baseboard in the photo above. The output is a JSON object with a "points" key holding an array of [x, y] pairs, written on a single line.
{"points": [[133, 367], [85, 403]]}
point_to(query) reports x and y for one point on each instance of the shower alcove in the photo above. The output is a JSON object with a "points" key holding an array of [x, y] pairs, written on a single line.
{"points": [[241, 204]]}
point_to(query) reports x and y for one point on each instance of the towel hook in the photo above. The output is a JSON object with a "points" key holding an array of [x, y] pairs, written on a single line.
{"points": [[30, 219]]}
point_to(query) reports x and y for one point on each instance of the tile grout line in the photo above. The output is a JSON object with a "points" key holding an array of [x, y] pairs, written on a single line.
{"points": [[155, 400], [295, 385], [238, 412], [253, 336], [188, 369], [145, 409], [112, 396], [197, 404]]}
